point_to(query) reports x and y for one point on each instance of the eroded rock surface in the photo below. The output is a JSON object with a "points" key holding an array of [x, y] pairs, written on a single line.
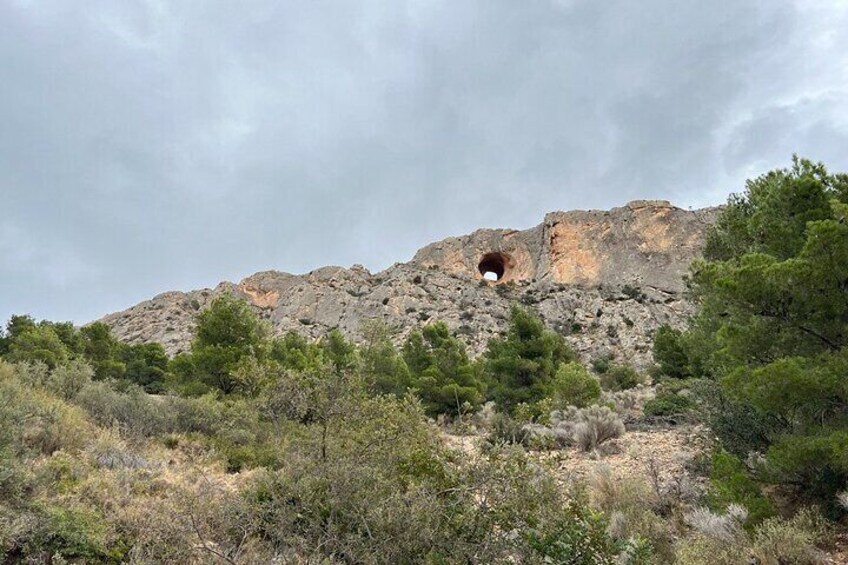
{"points": [[605, 279]]}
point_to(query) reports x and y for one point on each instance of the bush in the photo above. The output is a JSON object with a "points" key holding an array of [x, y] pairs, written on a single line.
{"points": [[521, 366], [668, 404], [720, 539], [597, 424], [730, 484], [632, 507], [621, 377], [574, 386], [134, 412], [31, 419], [669, 353], [66, 381], [588, 427], [778, 541], [726, 527], [628, 403]]}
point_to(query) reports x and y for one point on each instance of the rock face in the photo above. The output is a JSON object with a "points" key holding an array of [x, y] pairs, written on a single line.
{"points": [[605, 279]]}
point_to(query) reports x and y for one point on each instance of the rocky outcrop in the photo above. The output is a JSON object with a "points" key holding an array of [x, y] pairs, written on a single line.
{"points": [[605, 279], [646, 243]]}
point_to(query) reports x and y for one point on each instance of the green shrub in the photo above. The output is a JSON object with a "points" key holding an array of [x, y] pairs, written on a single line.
{"points": [[730, 483], [669, 353], [67, 380], [668, 404], [621, 377], [791, 541], [521, 365], [574, 386], [601, 365], [74, 532]]}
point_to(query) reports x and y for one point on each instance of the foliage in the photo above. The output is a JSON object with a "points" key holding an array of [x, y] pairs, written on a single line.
{"points": [[440, 370], [668, 404], [731, 484], [37, 343], [227, 332], [522, 365], [621, 377], [574, 386], [669, 353], [772, 326], [382, 367]]}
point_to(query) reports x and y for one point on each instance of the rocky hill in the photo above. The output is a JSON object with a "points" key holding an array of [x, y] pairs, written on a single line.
{"points": [[606, 279]]}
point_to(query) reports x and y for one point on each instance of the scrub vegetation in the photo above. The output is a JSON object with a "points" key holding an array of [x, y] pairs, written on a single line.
{"points": [[254, 448]]}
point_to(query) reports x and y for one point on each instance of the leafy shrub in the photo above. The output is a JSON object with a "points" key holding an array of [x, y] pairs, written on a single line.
{"points": [[628, 403], [134, 412], [66, 381], [33, 419], [521, 366], [669, 353], [505, 430], [720, 539], [203, 414], [574, 386], [601, 365], [440, 370], [621, 377], [668, 404], [71, 531], [632, 507], [109, 451]]}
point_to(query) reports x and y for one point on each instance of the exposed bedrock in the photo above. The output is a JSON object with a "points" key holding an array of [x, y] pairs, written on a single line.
{"points": [[605, 279]]}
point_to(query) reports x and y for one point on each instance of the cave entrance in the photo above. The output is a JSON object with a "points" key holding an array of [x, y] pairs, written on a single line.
{"points": [[493, 266]]}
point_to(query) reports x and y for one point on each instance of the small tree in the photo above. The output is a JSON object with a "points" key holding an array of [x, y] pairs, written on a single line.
{"points": [[382, 367], [441, 371], [522, 364], [227, 332], [772, 326], [38, 343]]}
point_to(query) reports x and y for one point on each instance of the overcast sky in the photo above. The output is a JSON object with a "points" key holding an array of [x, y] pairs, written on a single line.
{"points": [[153, 145]]}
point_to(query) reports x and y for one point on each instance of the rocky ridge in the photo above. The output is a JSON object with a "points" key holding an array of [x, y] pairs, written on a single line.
{"points": [[605, 279]]}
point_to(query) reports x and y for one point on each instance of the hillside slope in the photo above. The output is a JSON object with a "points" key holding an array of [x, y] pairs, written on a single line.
{"points": [[606, 279]]}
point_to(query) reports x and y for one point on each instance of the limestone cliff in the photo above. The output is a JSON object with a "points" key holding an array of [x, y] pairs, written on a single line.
{"points": [[606, 279]]}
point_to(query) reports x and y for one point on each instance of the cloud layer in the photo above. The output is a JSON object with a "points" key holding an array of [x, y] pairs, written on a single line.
{"points": [[152, 144]]}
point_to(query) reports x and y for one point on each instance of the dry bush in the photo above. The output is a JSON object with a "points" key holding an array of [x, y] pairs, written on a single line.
{"points": [[632, 507], [700, 549], [134, 412], [32, 418], [723, 527], [595, 425], [628, 403], [586, 427], [109, 451], [842, 499], [720, 539], [790, 542]]}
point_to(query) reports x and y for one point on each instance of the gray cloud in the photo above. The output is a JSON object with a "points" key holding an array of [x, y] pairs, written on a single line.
{"points": [[152, 144]]}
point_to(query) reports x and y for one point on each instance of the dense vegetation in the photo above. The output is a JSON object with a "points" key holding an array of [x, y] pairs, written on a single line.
{"points": [[769, 342], [252, 447]]}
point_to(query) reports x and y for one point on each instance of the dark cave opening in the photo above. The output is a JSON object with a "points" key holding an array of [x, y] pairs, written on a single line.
{"points": [[493, 266]]}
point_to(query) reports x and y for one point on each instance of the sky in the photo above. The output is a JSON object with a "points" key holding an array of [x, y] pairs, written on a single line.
{"points": [[156, 145]]}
